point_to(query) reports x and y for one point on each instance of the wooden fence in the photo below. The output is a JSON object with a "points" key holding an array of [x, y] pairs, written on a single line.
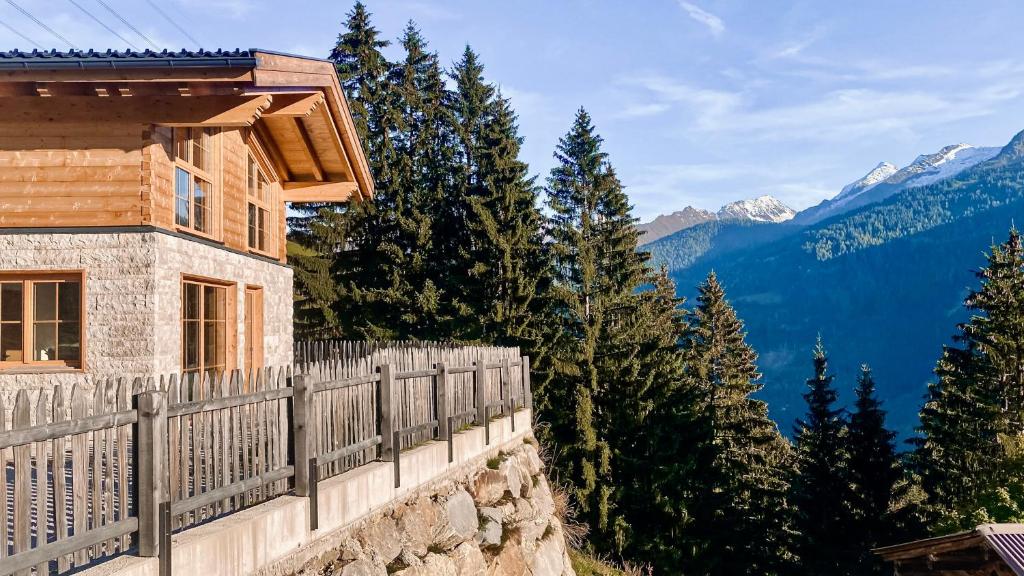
{"points": [[121, 468]]}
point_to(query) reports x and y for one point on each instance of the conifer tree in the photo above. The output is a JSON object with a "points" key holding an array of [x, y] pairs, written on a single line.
{"points": [[875, 476], [508, 270], [969, 455], [615, 353], [741, 520], [319, 231], [820, 490]]}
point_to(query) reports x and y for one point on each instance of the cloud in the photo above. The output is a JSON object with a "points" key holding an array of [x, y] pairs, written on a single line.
{"points": [[713, 23], [642, 110]]}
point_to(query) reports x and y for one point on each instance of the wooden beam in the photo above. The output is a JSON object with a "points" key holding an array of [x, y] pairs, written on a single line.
{"points": [[294, 105], [306, 192], [307, 146], [226, 111], [266, 140]]}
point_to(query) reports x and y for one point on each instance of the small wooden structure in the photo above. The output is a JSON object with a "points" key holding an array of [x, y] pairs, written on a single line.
{"points": [[988, 550]]}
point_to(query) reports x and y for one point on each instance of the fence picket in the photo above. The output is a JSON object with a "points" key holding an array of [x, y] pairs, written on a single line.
{"points": [[42, 484], [79, 475], [22, 418]]}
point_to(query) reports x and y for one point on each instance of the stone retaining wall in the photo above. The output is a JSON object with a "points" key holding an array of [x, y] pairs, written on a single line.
{"points": [[496, 520]]}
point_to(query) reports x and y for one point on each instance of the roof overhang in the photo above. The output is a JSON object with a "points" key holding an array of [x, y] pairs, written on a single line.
{"points": [[294, 104], [990, 549]]}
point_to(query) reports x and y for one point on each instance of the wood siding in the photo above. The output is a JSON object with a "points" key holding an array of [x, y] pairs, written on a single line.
{"points": [[109, 174], [70, 175]]}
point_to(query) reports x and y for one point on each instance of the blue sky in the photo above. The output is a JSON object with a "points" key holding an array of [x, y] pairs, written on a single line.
{"points": [[700, 102]]}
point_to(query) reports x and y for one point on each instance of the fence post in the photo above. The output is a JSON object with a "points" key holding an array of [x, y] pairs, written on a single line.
{"points": [[314, 495], [527, 391], [506, 388], [301, 412], [441, 394], [387, 422], [151, 471], [480, 385]]}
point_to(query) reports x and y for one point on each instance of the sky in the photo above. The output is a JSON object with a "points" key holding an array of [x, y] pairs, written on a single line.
{"points": [[700, 102]]}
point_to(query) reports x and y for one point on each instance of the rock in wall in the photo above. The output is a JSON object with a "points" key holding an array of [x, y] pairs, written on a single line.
{"points": [[496, 520]]}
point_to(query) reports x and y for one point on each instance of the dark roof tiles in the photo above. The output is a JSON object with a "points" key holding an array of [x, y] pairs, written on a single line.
{"points": [[54, 59]]}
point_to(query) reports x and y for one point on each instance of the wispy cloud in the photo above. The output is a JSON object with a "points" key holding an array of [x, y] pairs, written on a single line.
{"points": [[713, 23]]}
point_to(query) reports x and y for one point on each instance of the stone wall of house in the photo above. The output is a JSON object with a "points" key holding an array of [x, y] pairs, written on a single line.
{"points": [[120, 302], [496, 520], [133, 301], [178, 257]]}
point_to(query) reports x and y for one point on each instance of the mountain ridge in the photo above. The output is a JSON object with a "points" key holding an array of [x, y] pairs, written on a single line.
{"points": [[765, 208]]}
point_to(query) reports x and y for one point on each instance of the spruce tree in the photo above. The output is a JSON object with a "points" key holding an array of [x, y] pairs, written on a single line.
{"points": [[508, 269], [875, 476], [320, 231], [741, 521], [615, 356], [968, 454], [820, 490]]}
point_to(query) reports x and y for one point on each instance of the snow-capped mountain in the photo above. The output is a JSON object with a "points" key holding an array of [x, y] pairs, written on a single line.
{"points": [[947, 162], [885, 180], [876, 176], [761, 209], [665, 224]]}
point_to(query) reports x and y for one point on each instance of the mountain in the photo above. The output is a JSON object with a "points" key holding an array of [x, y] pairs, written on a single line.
{"points": [[885, 180], [665, 224], [882, 283], [760, 209]]}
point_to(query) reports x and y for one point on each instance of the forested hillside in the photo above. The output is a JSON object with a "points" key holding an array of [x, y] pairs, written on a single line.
{"points": [[882, 284]]}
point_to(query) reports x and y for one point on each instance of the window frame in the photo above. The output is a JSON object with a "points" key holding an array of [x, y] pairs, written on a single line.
{"points": [[266, 202], [230, 323], [209, 173], [28, 280]]}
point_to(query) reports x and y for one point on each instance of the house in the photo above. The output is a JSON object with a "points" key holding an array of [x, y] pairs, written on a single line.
{"points": [[988, 550], [143, 198]]}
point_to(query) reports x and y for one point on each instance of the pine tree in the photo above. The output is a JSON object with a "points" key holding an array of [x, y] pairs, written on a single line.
{"points": [[969, 453], [875, 475], [820, 490], [319, 231], [741, 520], [615, 357], [509, 269]]}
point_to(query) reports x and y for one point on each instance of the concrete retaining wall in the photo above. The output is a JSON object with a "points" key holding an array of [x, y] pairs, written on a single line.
{"points": [[260, 539]]}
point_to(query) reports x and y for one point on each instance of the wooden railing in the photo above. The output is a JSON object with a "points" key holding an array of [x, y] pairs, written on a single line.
{"points": [[132, 463]]}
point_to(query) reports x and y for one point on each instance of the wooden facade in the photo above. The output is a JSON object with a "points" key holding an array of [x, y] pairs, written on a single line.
{"points": [[93, 145]]}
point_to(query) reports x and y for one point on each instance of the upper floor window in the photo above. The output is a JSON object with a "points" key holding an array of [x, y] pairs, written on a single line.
{"points": [[41, 319], [260, 203], [195, 199]]}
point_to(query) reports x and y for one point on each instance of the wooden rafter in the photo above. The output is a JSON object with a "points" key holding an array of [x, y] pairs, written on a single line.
{"points": [[310, 150], [225, 111], [294, 105], [268, 144], [304, 192]]}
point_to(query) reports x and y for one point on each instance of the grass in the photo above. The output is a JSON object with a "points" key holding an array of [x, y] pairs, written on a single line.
{"points": [[586, 565]]}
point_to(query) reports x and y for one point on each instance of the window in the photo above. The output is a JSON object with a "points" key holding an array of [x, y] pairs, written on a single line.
{"points": [[41, 320], [261, 237], [194, 197], [204, 327]]}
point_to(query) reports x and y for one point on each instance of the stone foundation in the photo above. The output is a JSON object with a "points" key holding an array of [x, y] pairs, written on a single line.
{"points": [[496, 521]]}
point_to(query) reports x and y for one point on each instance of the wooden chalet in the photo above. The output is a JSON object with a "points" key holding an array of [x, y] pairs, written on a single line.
{"points": [[988, 550], [143, 200]]}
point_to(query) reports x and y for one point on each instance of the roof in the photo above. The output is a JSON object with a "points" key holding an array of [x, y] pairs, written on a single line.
{"points": [[54, 59], [296, 102], [962, 549]]}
